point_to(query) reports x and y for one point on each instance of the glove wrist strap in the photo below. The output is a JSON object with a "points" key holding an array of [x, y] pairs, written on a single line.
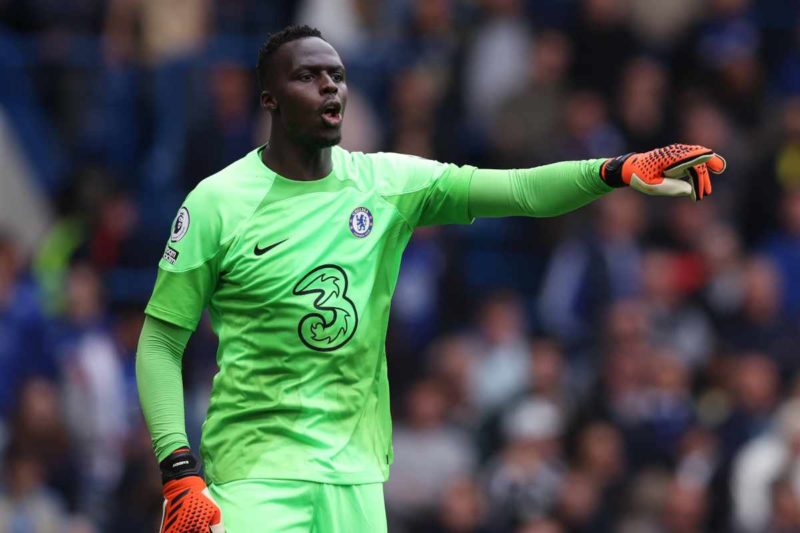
{"points": [[180, 463], [611, 171]]}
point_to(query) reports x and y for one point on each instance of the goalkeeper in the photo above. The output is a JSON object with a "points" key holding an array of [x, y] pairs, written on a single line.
{"points": [[295, 251]]}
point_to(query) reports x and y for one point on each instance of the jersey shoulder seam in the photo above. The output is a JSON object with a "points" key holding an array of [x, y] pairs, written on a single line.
{"points": [[422, 186], [198, 264], [176, 319], [383, 196], [208, 186], [396, 210], [237, 230]]}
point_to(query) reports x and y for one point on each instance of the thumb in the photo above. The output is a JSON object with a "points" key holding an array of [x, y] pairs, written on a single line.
{"points": [[667, 187]]}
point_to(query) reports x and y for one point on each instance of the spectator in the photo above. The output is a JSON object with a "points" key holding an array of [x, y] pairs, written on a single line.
{"points": [[421, 482], [21, 323], [647, 497], [579, 506], [698, 459], [94, 387], [25, 504], [675, 323], [541, 525], [525, 127], [785, 507], [602, 37], [784, 249], [226, 130], [588, 273], [727, 47], [167, 38], [659, 25], [723, 260], [452, 359], [501, 370], [416, 303], [668, 411], [765, 469], [601, 457], [642, 103], [524, 479], [418, 91], [753, 386], [491, 69], [588, 129], [685, 508], [38, 428], [462, 510], [547, 381], [761, 200], [759, 323]]}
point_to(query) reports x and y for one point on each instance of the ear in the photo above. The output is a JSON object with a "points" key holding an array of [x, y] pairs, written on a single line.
{"points": [[268, 101]]}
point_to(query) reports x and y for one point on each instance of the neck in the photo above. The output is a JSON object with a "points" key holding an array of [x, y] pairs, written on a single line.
{"points": [[296, 161]]}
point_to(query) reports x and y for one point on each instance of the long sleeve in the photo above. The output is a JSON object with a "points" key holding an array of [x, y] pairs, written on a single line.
{"points": [[544, 191], [159, 379]]}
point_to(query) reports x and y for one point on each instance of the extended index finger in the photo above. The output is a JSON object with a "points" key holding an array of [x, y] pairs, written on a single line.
{"points": [[717, 164]]}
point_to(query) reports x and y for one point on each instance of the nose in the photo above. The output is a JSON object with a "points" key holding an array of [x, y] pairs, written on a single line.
{"points": [[327, 85]]}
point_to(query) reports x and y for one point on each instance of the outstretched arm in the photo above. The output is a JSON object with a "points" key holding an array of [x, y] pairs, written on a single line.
{"points": [[544, 191], [428, 193], [550, 190]]}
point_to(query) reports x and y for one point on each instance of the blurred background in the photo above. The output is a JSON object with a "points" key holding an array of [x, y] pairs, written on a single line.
{"points": [[630, 367]]}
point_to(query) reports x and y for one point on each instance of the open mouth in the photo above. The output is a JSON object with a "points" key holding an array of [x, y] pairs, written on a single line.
{"points": [[332, 114]]}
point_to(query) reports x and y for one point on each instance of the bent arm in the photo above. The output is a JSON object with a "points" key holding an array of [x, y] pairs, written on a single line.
{"points": [[159, 379], [543, 191]]}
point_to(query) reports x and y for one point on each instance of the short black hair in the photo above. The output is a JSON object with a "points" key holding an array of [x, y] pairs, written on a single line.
{"points": [[275, 41]]}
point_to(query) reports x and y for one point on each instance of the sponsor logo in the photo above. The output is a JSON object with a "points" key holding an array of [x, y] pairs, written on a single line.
{"points": [[170, 255], [262, 251], [332, 319]]}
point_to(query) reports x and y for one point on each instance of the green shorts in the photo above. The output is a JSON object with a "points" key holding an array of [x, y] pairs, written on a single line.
{"points": [[287, 506]]}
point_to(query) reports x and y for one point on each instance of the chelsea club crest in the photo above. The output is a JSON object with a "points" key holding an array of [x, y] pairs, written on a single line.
{"points": [[360, 222]]}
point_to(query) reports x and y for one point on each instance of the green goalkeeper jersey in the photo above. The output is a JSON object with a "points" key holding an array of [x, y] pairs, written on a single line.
{"points": [[298, 278]]}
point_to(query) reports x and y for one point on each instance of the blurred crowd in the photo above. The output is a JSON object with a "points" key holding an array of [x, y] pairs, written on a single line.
{"points": [[629, 367]]}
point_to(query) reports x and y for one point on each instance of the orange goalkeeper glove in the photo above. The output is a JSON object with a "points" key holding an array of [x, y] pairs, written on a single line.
{"points": [[675, 170], [188, 506]]}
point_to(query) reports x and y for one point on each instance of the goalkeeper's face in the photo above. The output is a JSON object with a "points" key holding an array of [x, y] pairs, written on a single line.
{"points": [[308, 93]]}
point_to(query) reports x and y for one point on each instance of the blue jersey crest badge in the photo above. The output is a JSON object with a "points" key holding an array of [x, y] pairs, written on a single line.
{"points": [[361, 222]]}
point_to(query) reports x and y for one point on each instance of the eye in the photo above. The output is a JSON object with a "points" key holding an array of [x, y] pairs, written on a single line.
{"points": [[305, 77], [337, 77]]}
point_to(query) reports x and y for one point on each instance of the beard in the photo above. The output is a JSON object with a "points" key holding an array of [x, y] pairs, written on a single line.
{"points": [[318, 137], [327, 142]]}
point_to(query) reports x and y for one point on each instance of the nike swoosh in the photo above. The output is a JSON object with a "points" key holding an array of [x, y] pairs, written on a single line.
{"points": [[262, 251]]}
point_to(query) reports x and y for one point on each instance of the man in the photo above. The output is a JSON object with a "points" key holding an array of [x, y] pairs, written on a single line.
{"points": [[295, 250]]}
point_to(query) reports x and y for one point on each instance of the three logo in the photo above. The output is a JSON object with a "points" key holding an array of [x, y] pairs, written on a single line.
{"points": [[334, 318]]}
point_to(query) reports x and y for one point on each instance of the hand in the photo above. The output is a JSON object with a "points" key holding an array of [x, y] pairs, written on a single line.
{"points": [[188, 506], [675, 170]]}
